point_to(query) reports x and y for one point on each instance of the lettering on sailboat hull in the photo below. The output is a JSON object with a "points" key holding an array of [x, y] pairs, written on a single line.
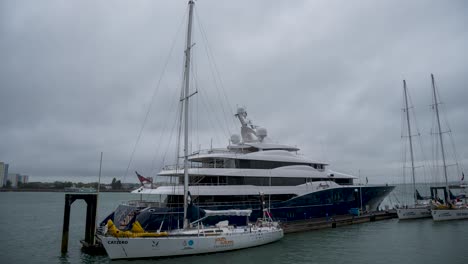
{"points": [[117, 242]]}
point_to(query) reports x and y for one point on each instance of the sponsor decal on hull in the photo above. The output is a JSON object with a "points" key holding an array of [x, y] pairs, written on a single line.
{"points": [[155, 245], [223, 242], [188, 244], [445, 214]]}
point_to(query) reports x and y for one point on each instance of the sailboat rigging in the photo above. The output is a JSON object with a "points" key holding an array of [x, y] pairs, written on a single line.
{"points": [[193, 238], [449, 210], [418, 210]]}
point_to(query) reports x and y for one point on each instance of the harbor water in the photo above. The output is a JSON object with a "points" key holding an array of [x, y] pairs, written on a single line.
{"points": [[31, 229]]}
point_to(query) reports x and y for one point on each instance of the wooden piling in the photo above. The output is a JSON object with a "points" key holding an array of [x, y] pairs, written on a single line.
{"points": [[90, 229], [66, 223], [91, 208]]}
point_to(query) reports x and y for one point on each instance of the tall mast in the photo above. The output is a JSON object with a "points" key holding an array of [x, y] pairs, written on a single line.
{"points": [[440, 133], [410, 142], [186, 107]]}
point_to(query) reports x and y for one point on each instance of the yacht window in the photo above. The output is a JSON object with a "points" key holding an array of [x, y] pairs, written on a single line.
{"points": [[264, 164], [240, 180], [229, 164], [242, 199], [344, 181], [287, 181]]}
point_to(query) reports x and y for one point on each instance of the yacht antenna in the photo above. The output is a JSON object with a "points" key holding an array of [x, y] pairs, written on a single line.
{"points": [[410, 141], [186, 106], [440, 137]]}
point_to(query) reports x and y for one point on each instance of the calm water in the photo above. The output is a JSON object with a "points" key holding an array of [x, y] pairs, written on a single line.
{"points": [[31, 226]]}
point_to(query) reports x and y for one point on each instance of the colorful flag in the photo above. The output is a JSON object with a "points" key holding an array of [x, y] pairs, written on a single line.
{"points": [[143, 180]]}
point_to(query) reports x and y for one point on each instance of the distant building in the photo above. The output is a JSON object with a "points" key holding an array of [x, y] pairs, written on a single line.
{"points": [[128, 186], [3, 174], [6, 174], [25, 178], [16, 178], [13, 178]]}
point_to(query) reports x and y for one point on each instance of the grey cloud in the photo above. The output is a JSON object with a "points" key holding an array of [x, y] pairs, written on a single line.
{"points": [[76, 78]]}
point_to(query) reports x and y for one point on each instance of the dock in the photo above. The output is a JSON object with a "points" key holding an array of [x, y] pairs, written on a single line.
{"points": [[336, 221]]}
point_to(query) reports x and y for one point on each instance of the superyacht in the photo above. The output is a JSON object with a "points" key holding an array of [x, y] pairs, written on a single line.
{"points": [[252, 173]]}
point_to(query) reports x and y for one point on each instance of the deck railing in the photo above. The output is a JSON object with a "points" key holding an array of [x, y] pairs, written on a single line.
{"points": [[146, 203]]}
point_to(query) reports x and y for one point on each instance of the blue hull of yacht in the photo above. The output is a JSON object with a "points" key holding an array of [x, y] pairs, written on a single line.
{"points": [[324, 203]]}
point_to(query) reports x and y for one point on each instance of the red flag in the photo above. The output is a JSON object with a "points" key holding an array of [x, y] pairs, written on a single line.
{"points": [[143, 180]]}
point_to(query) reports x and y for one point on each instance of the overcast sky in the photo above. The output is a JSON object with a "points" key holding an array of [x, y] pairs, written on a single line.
{"points": [[77, 78]]}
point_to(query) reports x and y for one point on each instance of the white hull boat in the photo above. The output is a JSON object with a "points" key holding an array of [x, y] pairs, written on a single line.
{"points": [[450, 210], [420, 208], [413, 212], [198, 242], [449, 214]]}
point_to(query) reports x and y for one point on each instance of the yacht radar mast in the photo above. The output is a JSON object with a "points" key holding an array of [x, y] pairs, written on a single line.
{"points": [[250, 132]]}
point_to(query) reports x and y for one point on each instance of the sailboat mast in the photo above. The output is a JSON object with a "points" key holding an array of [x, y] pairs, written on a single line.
{"points": [[186, 108], [440, 132], [410, 142]]}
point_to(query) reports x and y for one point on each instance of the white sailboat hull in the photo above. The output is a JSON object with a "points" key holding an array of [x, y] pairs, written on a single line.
{"points": [[449, 214], [125, 248], [413, 213]]}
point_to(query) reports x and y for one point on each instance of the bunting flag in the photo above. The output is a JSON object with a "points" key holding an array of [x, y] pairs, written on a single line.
{"points": [[143, 180]]}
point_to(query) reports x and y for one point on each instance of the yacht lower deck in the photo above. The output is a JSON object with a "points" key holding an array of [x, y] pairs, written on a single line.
{"points": [[316, 204]]}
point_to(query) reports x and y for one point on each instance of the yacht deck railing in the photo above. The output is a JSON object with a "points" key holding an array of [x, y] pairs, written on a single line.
{"points": [[146, 203]]}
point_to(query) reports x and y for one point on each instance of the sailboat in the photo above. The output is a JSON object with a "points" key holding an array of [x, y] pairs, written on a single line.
{"points": [[447, 209], [194, 237], [421, 208]]}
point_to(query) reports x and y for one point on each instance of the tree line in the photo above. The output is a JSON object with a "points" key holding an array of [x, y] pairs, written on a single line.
{"points": [[59, 185]]}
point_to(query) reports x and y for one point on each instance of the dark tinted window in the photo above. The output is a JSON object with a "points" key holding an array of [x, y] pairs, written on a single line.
{"points": [[266, 164]]}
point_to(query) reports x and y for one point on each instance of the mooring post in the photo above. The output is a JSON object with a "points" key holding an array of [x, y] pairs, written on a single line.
{"points": [[91, 207], [90, 231], [66, 223]]}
